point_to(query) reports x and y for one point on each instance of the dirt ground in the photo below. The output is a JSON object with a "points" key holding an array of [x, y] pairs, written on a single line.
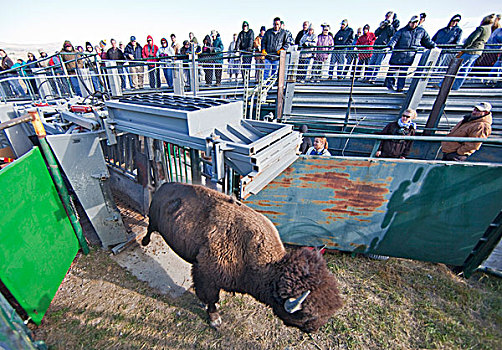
{"points": [[393, 304]]}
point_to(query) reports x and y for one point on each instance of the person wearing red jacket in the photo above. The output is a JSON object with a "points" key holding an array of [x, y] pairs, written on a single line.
{"points": [[150, 53], [367, 38]]}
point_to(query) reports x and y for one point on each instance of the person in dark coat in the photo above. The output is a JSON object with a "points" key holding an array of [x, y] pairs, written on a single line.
{"points": [[307, 141], [406, 41], [32, 64], [134, 52], [344, 37], [383, 35], [404, 126], [206, 59], [302, 32], [244, 45], [218, 49], [448, 37], [116, 54], [274, 40]]}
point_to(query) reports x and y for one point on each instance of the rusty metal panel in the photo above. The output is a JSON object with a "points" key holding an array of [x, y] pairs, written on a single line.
{"points": [[432, 211]]}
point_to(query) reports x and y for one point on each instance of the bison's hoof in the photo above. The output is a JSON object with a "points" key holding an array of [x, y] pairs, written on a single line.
{"points": [[145, 241], [215, 320]]}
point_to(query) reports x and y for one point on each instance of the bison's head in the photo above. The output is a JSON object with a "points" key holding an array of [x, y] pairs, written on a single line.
{"points": [[305, 293]]}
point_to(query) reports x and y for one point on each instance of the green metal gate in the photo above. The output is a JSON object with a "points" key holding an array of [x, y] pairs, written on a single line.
{"points": [[37, 241]]}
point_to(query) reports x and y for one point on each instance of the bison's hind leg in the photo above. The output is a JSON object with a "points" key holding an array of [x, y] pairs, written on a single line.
{"points": [[148, 235], [208, 293]]}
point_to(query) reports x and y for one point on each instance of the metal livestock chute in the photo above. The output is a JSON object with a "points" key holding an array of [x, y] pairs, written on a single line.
{"points": [[257, 151]]}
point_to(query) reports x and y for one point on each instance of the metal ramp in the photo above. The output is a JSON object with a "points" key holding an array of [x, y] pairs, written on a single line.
{"points": [[258, 151]]}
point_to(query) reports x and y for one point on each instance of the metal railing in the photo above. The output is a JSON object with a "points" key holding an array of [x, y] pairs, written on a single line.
{"points": [[95, 76]]}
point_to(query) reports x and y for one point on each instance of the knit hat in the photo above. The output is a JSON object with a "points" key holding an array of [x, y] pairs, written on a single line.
{"points": [[345, 22], [102, 42], [245, 23], [87, 43], [263, 28], [483, 107], [133, 38], [366, 26]]}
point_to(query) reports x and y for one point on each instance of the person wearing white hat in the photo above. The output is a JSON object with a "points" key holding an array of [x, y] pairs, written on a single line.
{"points": [[477, 124], [324, 43], [406, 41]]}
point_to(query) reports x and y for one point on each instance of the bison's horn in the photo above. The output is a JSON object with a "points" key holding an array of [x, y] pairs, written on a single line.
{"points": [[292, 305]]}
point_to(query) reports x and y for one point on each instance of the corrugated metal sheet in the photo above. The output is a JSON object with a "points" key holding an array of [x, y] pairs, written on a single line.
{"points": [[432, 211]]}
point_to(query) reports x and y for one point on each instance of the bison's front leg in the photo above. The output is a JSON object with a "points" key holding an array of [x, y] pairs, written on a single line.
{"points": [[208, 292]]}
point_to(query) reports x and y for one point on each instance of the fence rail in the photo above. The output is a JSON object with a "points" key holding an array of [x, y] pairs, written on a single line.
{"points": [[87, 74]]}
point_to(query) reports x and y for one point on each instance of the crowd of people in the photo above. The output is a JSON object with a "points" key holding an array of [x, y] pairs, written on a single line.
{"points": [[339, 51]]}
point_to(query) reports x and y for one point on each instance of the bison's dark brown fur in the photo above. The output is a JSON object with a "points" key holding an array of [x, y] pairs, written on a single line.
{"points": [[235, 248]]}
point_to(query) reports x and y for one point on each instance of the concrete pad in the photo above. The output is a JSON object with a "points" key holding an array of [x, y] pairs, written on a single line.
{"points": [[157, 265]]}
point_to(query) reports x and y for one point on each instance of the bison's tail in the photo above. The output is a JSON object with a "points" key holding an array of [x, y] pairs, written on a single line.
{"points": [[146, 239]]}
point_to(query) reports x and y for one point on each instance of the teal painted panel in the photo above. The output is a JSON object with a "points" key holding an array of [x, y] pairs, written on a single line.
{"points": [[431, 211], [37, 241]]}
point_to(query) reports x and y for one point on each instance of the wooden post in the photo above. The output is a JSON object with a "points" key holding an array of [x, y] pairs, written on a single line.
{"points": [[444, 91]]}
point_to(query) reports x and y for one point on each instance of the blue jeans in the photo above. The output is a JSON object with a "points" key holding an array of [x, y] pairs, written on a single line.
{"points": [[339, 59], [168, 74], [18, 89], [374, 64], [497, 68], [120, 70], [270, 68], [75, 85], [401, 76], [465, 69]]}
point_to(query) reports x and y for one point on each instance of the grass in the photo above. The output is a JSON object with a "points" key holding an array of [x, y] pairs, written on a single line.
{"points": [[393, 304]]}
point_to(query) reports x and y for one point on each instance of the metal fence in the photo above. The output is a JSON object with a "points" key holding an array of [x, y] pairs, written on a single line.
{"points": [[88, 75]]}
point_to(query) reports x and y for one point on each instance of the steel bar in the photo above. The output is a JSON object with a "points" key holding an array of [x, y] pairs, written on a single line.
{"points": [[414, 138]]}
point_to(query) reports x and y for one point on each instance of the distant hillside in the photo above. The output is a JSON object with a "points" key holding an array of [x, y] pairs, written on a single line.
{"points": [[15, 51]]}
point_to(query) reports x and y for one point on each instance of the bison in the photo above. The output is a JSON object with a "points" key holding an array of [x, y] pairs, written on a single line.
{"points": [[234, 248]]}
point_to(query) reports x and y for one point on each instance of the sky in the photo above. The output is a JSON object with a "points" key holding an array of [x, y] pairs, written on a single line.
{"points": [[41, 22]]}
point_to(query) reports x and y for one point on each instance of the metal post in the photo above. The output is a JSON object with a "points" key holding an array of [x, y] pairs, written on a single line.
{"points": [[281, 76], [259, 94], [114, 78], [292, 64], [419, 82], [444, 91], [349, 104], [246, 93], [66, 75], [194, 75], [179, 85], [195, 166]]}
